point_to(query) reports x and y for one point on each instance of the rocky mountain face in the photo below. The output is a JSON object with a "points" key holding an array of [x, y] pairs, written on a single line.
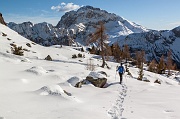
{"points": [[2, 19], [76, 25], [155, 43], [84, 21], [41, 33]]}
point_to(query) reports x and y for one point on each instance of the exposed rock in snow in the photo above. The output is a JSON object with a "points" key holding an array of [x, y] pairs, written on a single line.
{"points": [[52, 90], [2, 20], [73, 80], [37, 70], [97, 79]]}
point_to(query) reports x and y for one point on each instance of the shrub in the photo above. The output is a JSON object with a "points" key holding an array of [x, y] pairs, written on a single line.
{"points": [[28, 44], [80, 55], [82, 50], [74, 56], [26, 49], [17, 50], [3, 34], [9, 39], [33, 43], [12, 44]]}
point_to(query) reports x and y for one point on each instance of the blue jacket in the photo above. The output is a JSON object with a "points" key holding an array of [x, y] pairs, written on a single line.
{"points": [[121, 69]]}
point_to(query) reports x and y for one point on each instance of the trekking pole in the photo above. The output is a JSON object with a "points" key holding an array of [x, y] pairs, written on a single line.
{"points": [[126, 78]]}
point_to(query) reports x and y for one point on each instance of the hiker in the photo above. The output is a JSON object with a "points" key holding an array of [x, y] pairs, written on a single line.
{"points": [[121, 72]]}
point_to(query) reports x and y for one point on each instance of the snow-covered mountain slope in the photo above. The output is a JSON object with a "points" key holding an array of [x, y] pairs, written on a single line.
{"points": [[155, 43], [33, 88], [41, 33]]}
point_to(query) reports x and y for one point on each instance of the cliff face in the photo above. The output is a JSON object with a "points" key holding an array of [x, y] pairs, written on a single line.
{"points": [[2, 19]]}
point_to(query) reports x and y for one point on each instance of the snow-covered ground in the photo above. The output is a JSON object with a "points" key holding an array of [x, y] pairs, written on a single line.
{"points": [[33, 88]]}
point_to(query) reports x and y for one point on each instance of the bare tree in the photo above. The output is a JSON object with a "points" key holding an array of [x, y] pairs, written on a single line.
{"points": [[100, 37]]}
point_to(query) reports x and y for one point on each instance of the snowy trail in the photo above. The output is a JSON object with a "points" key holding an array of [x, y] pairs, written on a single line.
{"points": [[117, 109]]}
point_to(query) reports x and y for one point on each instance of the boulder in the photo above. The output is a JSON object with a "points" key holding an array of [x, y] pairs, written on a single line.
{"points": [[79, 84], [97, 79], [73, 81]]}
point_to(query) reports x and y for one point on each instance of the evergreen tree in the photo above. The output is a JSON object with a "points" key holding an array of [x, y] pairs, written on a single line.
{"points": [[141, 74], [140, 58], [140, 61], [126, 55], [117, 52], [152, 66], [169, 63], [161, 66], [100, 37]]}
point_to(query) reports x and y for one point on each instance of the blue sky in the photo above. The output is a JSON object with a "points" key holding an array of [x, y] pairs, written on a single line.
{"points": [[153, 14]]}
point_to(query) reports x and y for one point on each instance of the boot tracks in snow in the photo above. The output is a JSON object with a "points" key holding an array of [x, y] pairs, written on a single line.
{"points": [[117, 107]]}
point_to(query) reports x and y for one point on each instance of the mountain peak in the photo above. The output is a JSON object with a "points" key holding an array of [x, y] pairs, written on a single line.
{"points": [[89, 17]]}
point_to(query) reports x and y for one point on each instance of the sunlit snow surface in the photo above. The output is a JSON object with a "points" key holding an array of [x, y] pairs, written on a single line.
{"points": [[33, 88]]}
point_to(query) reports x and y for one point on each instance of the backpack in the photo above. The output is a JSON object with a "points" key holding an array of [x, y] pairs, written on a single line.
{"points": [[121, 69]]}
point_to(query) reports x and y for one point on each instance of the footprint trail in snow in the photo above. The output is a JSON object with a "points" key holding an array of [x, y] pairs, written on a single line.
{"points": [[117, 107]]}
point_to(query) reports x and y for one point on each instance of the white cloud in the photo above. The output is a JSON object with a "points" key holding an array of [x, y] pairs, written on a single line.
{"points": [[63, 7]]}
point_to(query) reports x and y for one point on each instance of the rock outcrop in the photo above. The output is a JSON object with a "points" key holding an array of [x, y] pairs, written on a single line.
{"points": [[97, 79], [2, 19]]}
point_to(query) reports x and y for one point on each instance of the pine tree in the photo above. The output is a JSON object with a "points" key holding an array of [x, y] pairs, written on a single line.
{"points": [[161, 66], [140, 62], [152, 66], [117, 52], [126, 55], [140, 58], [100, 37], [169, 63], [141, 74], [93, 50], [108, 52]]}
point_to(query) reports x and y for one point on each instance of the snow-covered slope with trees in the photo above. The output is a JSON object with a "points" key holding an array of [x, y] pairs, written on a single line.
{"points": [[155, 44], [77, 25], [34, 88]]}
